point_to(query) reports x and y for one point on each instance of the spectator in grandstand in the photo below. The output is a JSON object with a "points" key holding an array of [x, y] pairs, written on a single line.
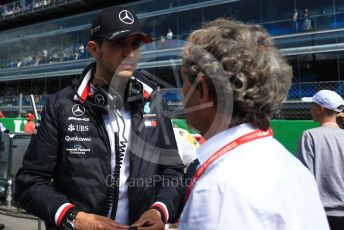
{"points": [[340, 120], [162, 41], [38, 3], [45, 55], [234, 80], [28, 7], [29, 126], [295, 21], [75, 55], [169, 34], [78, 172], [17, 10], [321, 150], [307, 22], [2, 115], [46, 2], [169, 37], [82, 50], [8, 11]]}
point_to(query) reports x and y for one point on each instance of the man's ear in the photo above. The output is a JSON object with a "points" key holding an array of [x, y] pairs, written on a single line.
{"points": [[93, 48], [203, 90], [321, 109]]}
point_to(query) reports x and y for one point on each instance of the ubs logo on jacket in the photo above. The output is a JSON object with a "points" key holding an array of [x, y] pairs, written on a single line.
{"points": [[79, 128]]}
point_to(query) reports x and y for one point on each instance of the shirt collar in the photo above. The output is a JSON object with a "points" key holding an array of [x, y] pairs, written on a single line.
{"points": [[206, 150]]}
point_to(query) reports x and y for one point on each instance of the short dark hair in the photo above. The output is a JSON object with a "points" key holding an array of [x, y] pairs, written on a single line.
{"points": [[98, 40], [258, 74], [330, 112]]}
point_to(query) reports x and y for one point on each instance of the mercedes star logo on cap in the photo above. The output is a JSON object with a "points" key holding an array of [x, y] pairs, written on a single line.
{"points": [[126, 17], [99, 99], [78, 110]]}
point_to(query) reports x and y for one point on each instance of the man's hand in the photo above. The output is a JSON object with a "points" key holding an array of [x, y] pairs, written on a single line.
{"points": [[150, 220], [86, 221]]}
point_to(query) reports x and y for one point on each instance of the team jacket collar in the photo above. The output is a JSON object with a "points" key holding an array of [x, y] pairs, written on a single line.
{"points": [[147, 90], [84, 88]]}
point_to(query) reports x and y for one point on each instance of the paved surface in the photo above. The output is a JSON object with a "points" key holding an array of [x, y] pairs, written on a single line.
{"points": [[14, 219]]}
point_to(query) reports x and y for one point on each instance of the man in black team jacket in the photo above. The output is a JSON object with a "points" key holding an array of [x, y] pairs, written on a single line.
{"points": [[71, 175]]}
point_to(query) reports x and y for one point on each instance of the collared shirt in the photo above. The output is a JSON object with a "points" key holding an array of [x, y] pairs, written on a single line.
{"points": [[122, 213], [114, 123], [258, 185], [111, 120]]}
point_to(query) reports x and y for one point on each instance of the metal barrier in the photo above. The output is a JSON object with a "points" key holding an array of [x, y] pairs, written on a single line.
{"points": [[292, 109], [11, 157]]}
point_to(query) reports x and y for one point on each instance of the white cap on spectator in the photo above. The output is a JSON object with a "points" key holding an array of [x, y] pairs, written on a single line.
{"points": [[327, 99]]}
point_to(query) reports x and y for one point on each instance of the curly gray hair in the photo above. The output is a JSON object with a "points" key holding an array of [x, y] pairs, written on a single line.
{"points": [[258, 74]]}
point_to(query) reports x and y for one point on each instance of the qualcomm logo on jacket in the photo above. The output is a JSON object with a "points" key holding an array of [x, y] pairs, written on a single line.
{"points": [[76, 138]]}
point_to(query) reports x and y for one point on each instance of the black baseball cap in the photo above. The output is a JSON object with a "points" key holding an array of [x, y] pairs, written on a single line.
{"points": [[115, 23]]}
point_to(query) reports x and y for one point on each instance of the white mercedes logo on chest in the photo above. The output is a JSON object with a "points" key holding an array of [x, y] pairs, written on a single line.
{"points": [[78, 110], [126, 17]]}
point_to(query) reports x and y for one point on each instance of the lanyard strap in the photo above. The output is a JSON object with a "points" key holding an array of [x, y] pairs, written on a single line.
{"points": [[257, 134]]}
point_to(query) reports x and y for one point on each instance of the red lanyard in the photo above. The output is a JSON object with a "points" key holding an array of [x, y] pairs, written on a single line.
{"points": [[257, 134]]}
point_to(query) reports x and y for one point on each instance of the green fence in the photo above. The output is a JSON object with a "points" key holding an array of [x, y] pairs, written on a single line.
{"points": [[287, 132]]}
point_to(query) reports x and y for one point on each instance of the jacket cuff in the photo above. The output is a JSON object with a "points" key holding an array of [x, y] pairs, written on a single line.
{"points": [[163, 210], [61, 212]]}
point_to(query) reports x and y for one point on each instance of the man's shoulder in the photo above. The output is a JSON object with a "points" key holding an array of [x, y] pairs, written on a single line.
{"points": [[147, 83], [62, 94], [323, 138], [313, 131], [323, 131]]}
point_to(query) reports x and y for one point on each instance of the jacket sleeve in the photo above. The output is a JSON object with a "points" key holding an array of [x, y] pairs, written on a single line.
{"points": [[170, 189], [33, 189]]}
